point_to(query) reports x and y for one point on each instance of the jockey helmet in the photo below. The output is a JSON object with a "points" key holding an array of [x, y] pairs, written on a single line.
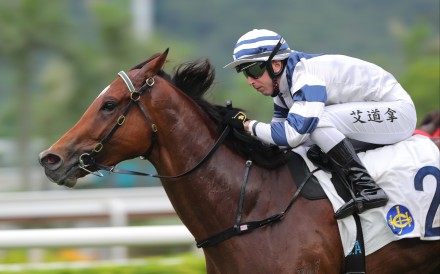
{"points": [[258, 45]]}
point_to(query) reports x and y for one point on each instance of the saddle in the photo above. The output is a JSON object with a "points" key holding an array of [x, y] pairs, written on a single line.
{"points": [[271, 157]]}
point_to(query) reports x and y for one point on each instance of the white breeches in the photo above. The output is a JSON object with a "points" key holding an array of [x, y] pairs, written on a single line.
{"points": [[384, 122]]}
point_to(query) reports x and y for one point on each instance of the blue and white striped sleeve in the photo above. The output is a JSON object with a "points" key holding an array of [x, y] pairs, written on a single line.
{"points": [[279, 112], [302, 118]]}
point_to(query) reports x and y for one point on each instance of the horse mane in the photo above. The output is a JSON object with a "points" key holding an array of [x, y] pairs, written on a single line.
{"points": [[195, 79]]}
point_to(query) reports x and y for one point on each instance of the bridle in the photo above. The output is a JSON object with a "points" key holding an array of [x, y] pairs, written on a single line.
{"points": [[87, 160]]}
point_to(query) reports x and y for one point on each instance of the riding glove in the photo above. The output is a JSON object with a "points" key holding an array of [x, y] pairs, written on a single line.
{"points": [[235, 119]]}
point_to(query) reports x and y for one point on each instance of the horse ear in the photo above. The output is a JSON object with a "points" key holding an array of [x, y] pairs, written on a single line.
{"points": [[160, 61], [153, 66]]}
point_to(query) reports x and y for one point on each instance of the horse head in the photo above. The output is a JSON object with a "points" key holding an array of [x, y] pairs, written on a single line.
{"points": [[112, 129]]}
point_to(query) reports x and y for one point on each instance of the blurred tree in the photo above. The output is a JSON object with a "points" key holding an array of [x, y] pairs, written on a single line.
{"points": [[421, 48], [29, 29]]}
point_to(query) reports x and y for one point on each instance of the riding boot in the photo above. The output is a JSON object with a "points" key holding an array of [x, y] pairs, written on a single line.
{"points": [[367, 194]]}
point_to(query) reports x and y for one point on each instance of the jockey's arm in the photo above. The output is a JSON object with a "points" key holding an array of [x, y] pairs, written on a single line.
{"points": [[301, 119]]}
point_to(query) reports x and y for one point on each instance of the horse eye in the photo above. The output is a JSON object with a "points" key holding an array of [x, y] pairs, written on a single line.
{"points": [[108, 106]]}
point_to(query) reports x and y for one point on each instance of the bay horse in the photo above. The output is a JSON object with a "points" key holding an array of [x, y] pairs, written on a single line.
{"points": [[172, 126]]}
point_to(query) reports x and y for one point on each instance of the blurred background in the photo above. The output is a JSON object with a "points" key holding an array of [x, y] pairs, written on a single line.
{"points": [[57, 55]]}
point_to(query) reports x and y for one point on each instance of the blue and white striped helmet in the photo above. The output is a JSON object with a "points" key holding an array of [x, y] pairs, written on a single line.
{"points": [[257, 45]]}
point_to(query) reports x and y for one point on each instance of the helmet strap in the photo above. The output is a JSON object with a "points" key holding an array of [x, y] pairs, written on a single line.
{"points": [[272, 74], [276, 87], [275, 76]]}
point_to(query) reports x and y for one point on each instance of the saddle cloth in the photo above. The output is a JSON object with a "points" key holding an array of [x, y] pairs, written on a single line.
{"points": [[409, 173]]}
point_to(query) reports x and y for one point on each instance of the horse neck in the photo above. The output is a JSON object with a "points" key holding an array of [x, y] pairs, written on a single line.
{"points": [[185, 135], [184, 132]]}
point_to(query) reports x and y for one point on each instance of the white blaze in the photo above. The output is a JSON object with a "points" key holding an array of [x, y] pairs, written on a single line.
{"points": [[104, 91]]}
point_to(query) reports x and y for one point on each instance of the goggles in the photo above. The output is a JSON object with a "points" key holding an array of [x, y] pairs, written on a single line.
{"points": [[254, 70]]}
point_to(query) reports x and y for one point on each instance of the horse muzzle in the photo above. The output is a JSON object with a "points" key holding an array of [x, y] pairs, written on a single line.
{"points": [[57, 171], [50, 160]]}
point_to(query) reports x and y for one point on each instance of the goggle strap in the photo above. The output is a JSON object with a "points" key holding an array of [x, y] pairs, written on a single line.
{"points": [[276, 49]]}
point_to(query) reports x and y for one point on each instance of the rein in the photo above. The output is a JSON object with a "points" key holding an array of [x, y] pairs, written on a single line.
{"points": [[113, 169], [86, 160]]}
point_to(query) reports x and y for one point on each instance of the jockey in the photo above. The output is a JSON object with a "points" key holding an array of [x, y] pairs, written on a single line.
{"points": [[328, 99]]}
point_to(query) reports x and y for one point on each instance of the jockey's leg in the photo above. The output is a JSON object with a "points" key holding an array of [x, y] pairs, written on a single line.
{"points": [[372, 122], [367, 193]]}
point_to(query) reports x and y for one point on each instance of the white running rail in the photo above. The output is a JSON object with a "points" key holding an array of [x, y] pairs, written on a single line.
{"points": [[116, 204], [96, 237]]}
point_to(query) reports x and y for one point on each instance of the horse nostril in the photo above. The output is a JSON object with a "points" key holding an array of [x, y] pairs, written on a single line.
{"points": [[49, 160]]}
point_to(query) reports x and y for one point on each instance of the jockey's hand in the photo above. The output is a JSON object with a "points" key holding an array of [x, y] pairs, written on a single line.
{"points": [[235, 119]]}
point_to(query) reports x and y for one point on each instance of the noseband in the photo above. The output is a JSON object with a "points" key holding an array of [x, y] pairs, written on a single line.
{"points": [[87, 160]]}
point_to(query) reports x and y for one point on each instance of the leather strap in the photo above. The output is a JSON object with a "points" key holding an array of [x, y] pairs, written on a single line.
{"points": [[242, 228]]}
